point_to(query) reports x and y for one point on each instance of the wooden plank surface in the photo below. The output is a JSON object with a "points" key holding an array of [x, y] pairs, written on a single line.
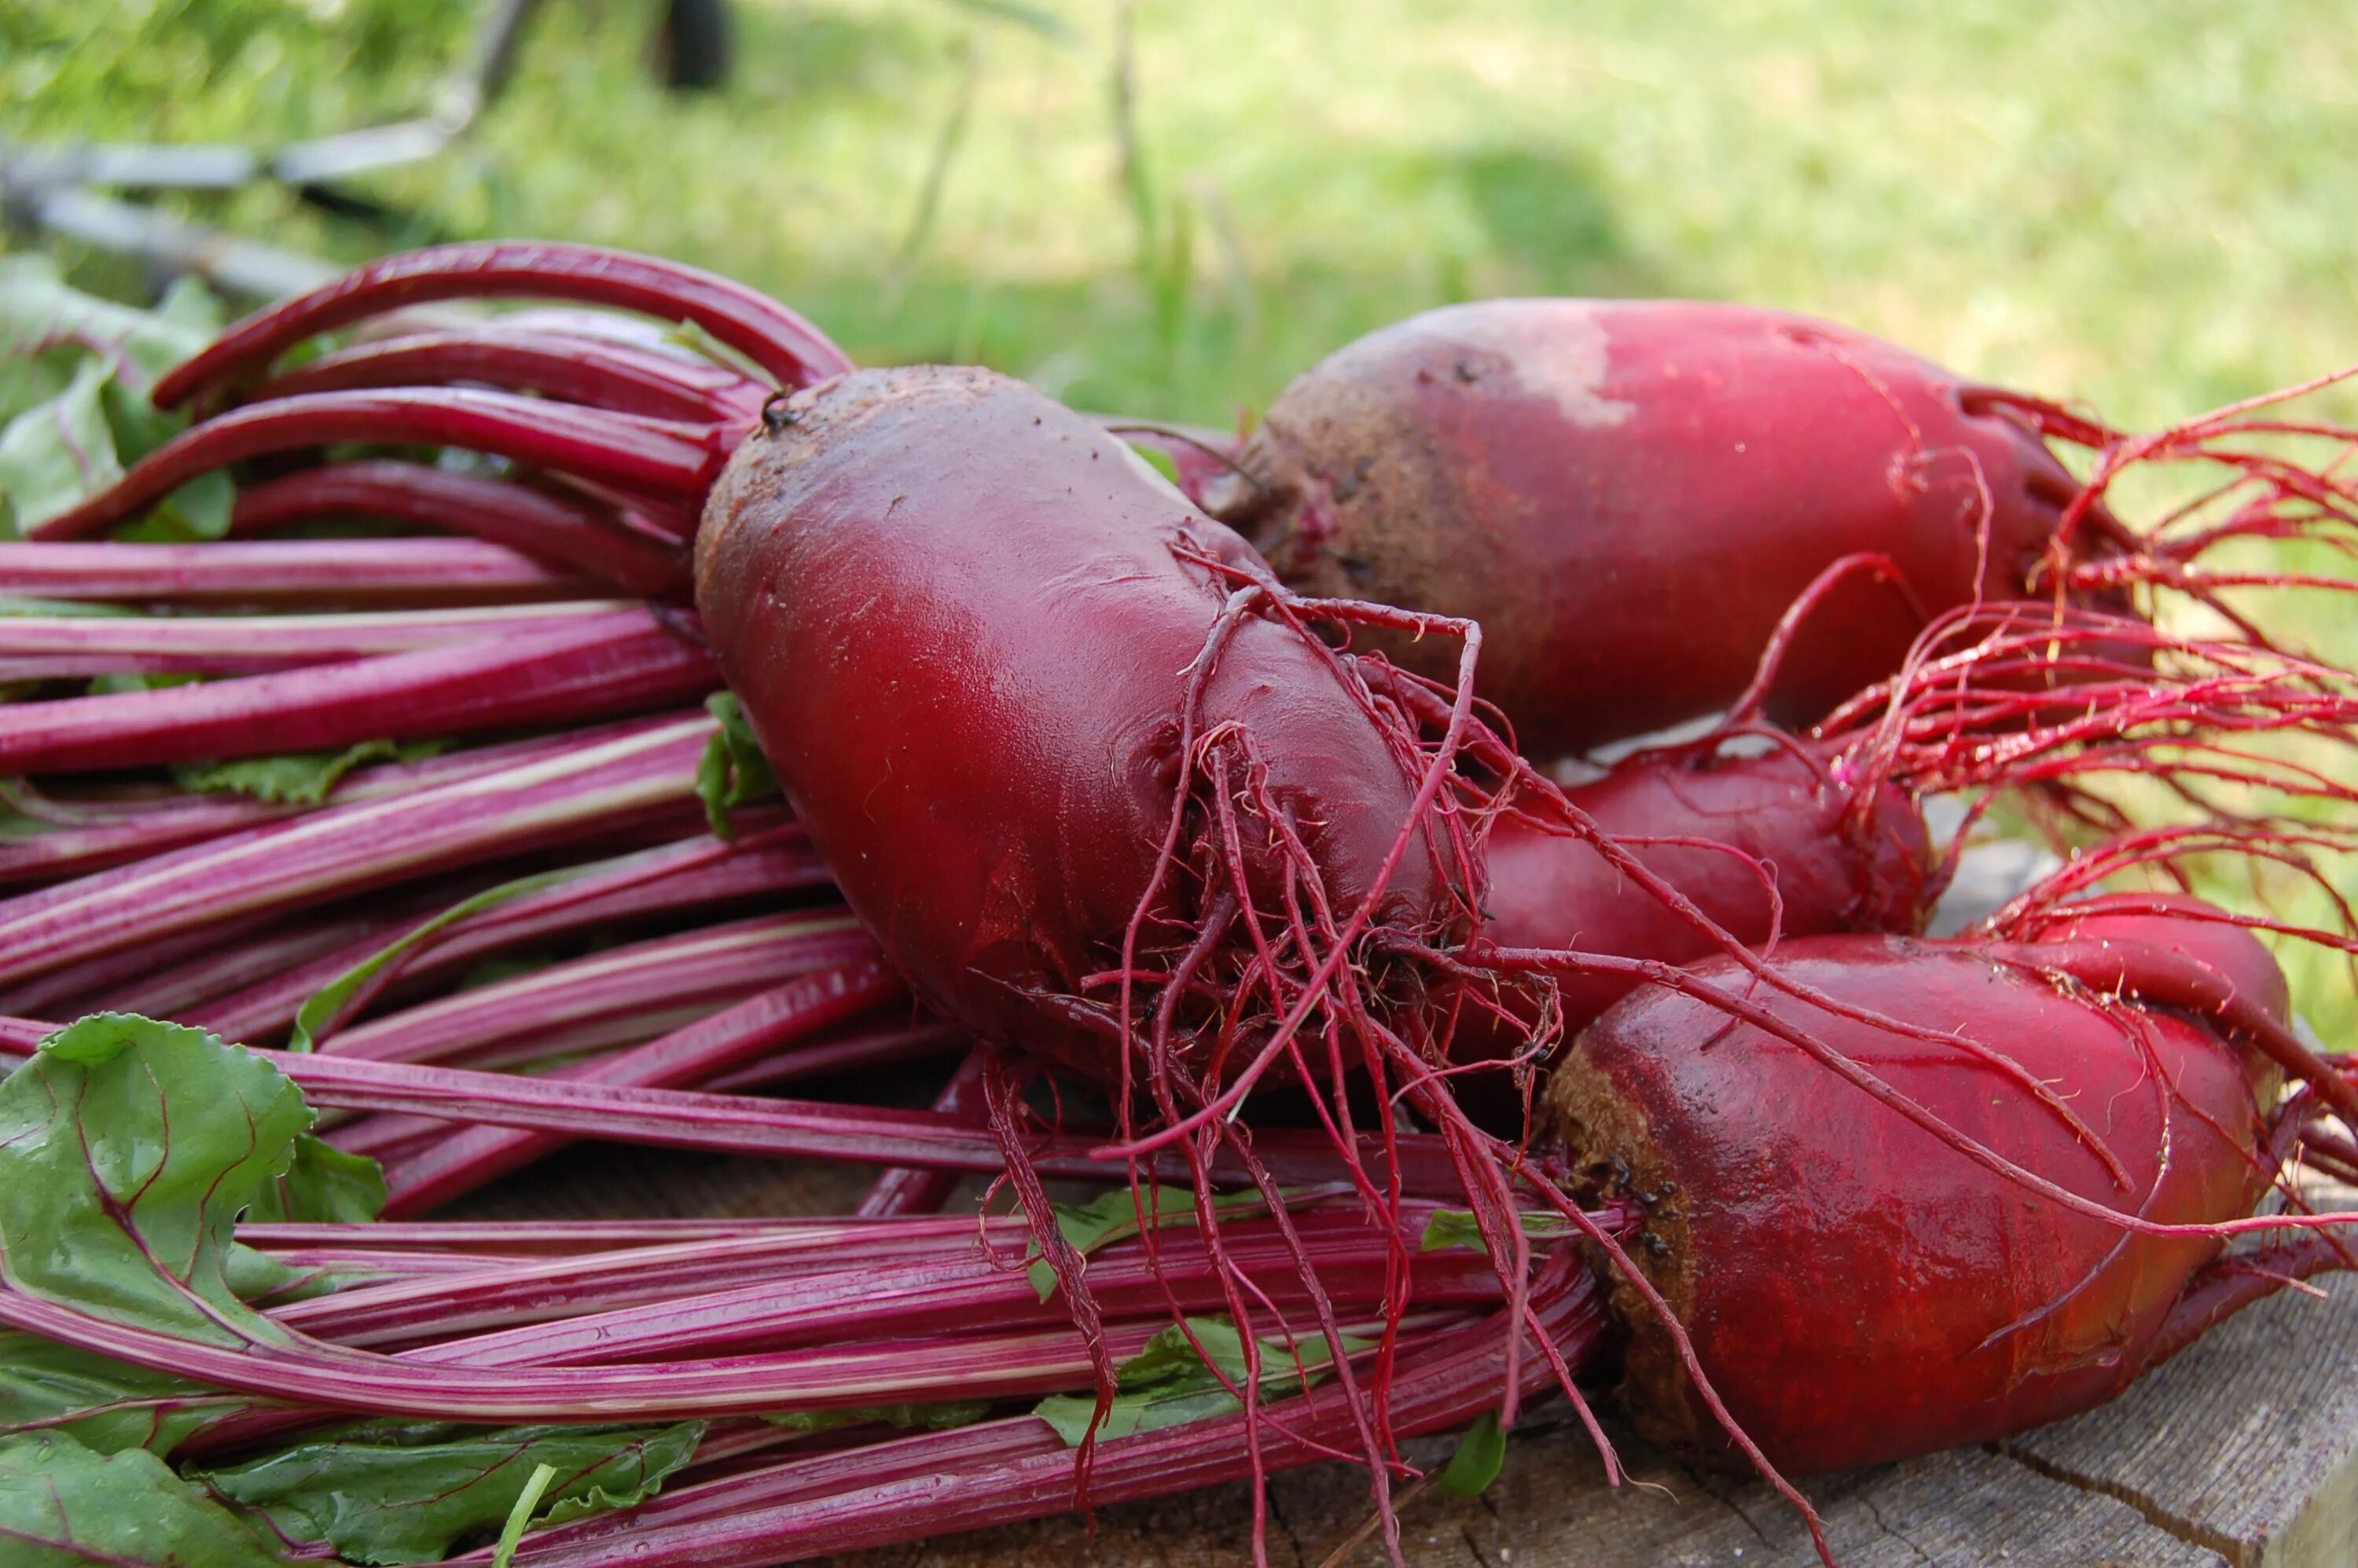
{"points": [[2247, 1443], [2243, 1451]]}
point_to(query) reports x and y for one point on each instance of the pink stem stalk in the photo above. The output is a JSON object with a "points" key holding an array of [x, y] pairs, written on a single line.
{"points": [[774, 337], [323, 571], [904, 1191], [566, 531], [645, 457], [688, 874], [54, 647], [602, 374], [562, 674], [599, 782]]}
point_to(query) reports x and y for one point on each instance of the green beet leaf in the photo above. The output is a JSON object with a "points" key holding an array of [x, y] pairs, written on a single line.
{"points": [[1158, 460], [321, 1008], [1170, 1383], [388, 1492], [321, 1185], [108, 1406], [195, 512], [908, 1417], [1115, 1215], [110, 685], [40, 316], [1457, 1227], [128, 1149], [75, 372], [62, 1506], [732, 769], [59, 451], [15, 605], [295, 778], [1476, 1462]]}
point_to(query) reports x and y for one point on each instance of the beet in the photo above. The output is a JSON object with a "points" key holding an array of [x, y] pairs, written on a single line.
{"points": [[1108, 791], [1628, 495], [985, 652], [1747, 822], [1858, 1289]]}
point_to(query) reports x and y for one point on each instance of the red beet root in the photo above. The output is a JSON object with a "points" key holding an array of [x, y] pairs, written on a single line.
{"points": [[982, 677], [1628, 494], [1725, 831], [1858, 1289], [2198, 933]]}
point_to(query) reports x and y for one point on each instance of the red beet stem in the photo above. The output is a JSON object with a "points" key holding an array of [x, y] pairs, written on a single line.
{"points": [[602, 374], [531, 1011], [549, 1237], [317, 571], [868, 1045], [971, 1292], [770, 1021], [1018, 1363], [597, 784], [610, 667], [565, 531], [95, 982], [520, 1285], [689, 875], [766, 332], [170, 990], [465, 1288], [82, 837], [903, 1191], [76, 645], [1004, 1471], [734, 1124], [648, 457]]}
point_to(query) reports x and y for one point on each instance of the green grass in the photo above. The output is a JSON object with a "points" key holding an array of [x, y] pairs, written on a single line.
{"points": [[2145, 205], [2142, 204]]}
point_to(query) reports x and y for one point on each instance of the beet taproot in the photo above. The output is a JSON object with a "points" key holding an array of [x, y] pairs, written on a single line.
{"points": [[1766, 845], [1628, 494]]}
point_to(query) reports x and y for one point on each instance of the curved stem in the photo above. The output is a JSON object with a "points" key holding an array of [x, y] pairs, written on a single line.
{"points": [[650, 457], [765, 331], [602, 374], [564, 530]]}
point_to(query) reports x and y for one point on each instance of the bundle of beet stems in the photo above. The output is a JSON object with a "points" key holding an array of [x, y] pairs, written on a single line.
{"points": [[1420, 1083]]}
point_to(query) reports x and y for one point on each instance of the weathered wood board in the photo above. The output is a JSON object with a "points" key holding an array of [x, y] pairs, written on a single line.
{"points": [[2243, 1451]]}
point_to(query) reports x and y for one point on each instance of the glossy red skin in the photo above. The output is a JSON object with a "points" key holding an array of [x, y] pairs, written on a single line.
{"points": [[2161, 921], [1627, 495], [1547, 890], [1840, 1272], [952, 613]]}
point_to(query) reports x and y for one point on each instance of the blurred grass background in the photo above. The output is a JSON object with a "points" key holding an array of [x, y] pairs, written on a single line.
{"points": [[2150, 206]]}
